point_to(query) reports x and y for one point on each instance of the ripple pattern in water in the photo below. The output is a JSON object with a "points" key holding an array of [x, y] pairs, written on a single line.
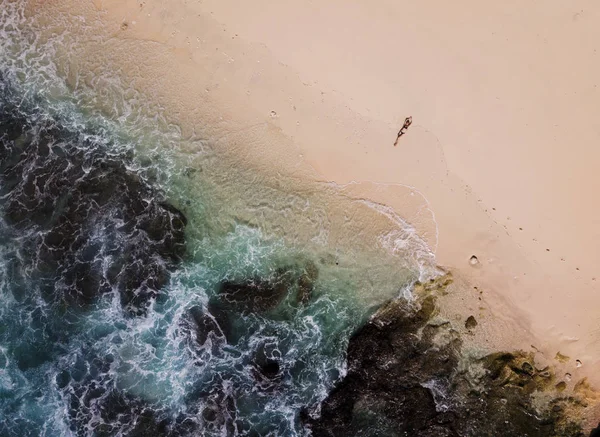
{"points": [[134, 299]]}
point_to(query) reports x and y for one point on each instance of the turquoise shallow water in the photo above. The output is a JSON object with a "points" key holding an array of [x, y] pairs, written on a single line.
{"points": [[149, 290]]}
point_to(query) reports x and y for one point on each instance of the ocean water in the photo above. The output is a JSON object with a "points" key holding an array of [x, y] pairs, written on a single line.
{"points": [[150, 287]]}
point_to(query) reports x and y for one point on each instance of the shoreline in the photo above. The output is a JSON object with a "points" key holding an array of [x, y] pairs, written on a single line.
{"points": [[310, 118]]}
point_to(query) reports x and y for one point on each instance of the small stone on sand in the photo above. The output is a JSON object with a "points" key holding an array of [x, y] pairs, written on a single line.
{"points": [[470, 323]]}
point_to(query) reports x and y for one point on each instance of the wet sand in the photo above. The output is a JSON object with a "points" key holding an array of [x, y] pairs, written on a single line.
{"points": [[498, 163]]}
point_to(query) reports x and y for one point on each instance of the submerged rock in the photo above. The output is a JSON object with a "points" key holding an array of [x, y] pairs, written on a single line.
{"points": [[112, 412], [204, 327], [98, 407], [212, 410], [267, 366], [259, 295], [471, 322], [253, 295], [204, 335], [219, 414], [402, 382], [277, 296], [127, 416]]}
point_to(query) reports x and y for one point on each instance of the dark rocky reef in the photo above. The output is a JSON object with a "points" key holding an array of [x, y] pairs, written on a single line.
{"points": [[98, 407], [212, 410], [254, 295], [276, 296], [105, 412], [204, 335], [87, 224], [408, 377], [258, 295], [115, 413]]}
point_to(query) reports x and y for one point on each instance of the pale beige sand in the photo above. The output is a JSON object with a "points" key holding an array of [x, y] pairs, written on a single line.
{"points": [[501, 159]]}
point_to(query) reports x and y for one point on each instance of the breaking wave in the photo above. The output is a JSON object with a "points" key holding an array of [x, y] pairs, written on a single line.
{"points": [[144, 290]]}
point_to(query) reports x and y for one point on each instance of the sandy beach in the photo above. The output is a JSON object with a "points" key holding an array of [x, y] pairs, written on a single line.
{"points": [[499, 163]]}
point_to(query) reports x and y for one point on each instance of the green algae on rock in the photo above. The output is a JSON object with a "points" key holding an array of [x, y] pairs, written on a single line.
{"points": [[402, 381]]}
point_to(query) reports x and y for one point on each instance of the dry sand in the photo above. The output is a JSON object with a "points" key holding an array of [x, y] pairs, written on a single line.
{"points": [[500, 161]]}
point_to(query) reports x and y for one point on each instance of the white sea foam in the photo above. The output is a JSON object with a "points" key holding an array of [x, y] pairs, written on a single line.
{"points": [[152, 359]]}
